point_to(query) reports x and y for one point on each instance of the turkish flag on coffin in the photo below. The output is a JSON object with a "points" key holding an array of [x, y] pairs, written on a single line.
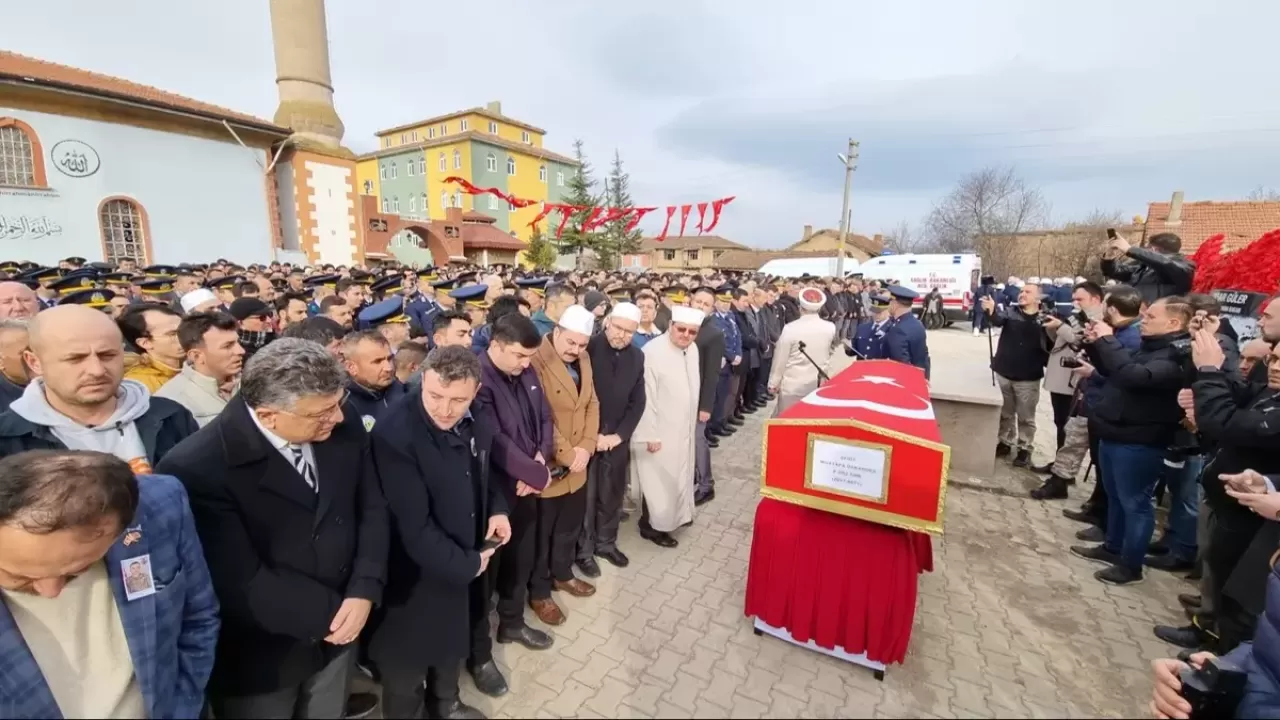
{"points": [[866, 445]]}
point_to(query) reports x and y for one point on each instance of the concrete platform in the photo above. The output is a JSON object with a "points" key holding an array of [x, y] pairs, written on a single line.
{"points": [[967, 406]]}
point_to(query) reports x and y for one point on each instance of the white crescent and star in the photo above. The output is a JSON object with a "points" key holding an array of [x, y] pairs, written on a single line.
{"points": [[924, 412]]}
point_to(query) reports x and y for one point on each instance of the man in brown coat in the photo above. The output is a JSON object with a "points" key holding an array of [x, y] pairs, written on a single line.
{"points": [[564, 368]]}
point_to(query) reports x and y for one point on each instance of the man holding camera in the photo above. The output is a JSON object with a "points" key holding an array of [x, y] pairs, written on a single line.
{"points": [[1063, 377], [1136, 419], [1156, 271], [1018, 363]]}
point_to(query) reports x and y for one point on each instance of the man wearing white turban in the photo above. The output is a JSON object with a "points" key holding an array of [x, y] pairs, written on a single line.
{"points": [[804, 349], [663, 443]]}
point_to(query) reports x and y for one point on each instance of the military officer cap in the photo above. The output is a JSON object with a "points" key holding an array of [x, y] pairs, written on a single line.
{"points": [[676, 293], [156, 285], [471, 296], [363, 278], [118, 278], [428, 273], [41, 274], [383, 312], [536, 284], [101, 267], [226, 282], [9, 266], [90, 297], [75, 260], [329, 281], [880, 300], [622, 293], [467, 277], [902, 294], [73, 282], [387, 283], [725, 293], [447, 284], [160, 271]]}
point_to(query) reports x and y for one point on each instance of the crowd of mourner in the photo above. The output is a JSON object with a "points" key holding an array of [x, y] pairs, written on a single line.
{"points": [[232, 490]]}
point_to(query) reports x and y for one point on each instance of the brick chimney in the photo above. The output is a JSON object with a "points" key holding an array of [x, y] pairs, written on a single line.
{"points": [[878, 239], [1175, 209], [494, 107], [808, 233]]}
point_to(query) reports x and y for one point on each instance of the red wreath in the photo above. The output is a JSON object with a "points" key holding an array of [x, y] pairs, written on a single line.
{"points": [[1253, 268]]}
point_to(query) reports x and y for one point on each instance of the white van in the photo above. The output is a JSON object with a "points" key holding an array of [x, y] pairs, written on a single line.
{"points": [[812, 266], [955, 276]]}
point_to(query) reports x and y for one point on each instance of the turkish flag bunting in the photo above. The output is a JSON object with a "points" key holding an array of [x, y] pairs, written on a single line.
{"points": [[684, 217], [546, 210], [637, 214], [613, 215], [592, 221], [566, 211], [702, 215], [671, 211], [716, 207]]}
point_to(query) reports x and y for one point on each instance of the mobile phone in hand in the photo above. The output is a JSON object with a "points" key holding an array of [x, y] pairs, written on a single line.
{"points": [[491, 543]]}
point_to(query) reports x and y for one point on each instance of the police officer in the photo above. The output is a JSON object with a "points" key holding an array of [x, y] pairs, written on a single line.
{"points": [[905, 339], [471, 297], [867, 340], [421, 305]]}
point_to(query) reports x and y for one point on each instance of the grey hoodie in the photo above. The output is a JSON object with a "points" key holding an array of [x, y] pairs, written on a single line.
{"points": [[117, 436]]}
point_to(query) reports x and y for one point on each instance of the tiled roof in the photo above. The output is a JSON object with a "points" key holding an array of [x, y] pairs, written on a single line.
{"points": [[1241, 222], [861, 242], [484, 236], [483, 112], [27, 70], [689, 242], [540, 153]]}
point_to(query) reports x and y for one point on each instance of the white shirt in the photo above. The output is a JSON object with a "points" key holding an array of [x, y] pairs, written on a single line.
{"points": [[284, 447]]}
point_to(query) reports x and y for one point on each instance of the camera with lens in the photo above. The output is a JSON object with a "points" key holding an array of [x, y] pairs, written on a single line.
{"points": [[1214, 689], [988, 280], [1047, 309], [1071, 362]]}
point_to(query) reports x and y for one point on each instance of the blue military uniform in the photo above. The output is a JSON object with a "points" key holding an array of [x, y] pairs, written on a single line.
{"points": [[390, 310], [728, 325], [905, 339], [867, 339], [329, 281], [420, 307]]}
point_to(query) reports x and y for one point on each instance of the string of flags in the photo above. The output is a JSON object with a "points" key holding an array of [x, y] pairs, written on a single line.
{"points": [[597, 217]]}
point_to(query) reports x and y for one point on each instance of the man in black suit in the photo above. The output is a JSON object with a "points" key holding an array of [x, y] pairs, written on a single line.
{"points": [[294, 528], [710, 343], [433, 461]]}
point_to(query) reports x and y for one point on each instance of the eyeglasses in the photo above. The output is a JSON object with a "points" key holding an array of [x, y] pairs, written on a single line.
{"points": [[684, 331]]}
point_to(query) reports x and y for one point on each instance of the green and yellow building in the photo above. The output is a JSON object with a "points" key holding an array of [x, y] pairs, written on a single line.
{"points": [[406, 173]]}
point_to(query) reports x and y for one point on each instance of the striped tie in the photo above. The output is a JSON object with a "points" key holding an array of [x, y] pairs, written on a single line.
{"points": [[303, 467]]}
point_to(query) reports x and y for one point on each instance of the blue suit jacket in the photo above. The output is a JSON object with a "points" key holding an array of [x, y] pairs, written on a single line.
{"points": [[905, 340], [172, 633], [868, 340]]}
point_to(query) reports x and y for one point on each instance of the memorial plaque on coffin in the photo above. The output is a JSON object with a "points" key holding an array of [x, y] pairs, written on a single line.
{"points": [[866, 445]]}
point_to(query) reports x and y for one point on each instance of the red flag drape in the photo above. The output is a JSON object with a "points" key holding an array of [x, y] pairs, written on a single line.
{"points": [[702, 215], [716, 207], [671, 211], [637, 214], [684, 217], [592, 221], [566, 211]]}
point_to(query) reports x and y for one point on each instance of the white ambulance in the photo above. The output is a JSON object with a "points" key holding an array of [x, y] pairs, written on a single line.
{"points": [[955, 276]]}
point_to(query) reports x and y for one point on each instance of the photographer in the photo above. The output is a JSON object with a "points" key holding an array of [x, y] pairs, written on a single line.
{"points": [[1019, 363], [1062, 379], [1136, 419], [1237, 419], [1158, 270], [986, 290], [1121, 307]]}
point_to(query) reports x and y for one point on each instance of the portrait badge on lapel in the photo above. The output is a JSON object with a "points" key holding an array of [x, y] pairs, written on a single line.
{"points": [[473, 447], [136, 573]]}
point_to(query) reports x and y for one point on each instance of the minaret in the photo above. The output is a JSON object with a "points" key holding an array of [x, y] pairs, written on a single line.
{"points": [[301, 40]]}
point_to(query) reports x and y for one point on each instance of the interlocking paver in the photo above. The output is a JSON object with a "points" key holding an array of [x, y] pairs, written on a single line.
{"points": [[1008, 624]]}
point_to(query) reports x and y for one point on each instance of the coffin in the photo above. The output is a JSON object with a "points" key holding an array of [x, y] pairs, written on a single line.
{"points": [[866, 445]]}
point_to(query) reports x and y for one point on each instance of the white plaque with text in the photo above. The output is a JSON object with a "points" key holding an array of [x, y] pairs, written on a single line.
{"points": [[848, 468]]}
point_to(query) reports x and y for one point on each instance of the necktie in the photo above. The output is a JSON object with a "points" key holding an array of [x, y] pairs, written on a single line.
{"points": [[303, 467]]}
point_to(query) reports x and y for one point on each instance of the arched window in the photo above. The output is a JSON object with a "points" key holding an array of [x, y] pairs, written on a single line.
{"points": [[491, 162], [542, 173], [21, 157], [413, 204], [511, 165], [386, 205], [457, 199], [444, 199], [124, 230], [395, 204], [457, 160], [443, 166], [424, 203]]}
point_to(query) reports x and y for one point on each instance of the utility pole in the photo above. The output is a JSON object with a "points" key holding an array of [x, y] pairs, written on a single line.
{"points": [[850, 164]]}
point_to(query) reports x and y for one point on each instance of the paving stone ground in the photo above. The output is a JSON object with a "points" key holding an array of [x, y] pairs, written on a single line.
{"points": [[1009, 624]]}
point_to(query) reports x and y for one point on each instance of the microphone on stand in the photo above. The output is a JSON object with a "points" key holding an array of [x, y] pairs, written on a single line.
{"points": [[822, 375]]}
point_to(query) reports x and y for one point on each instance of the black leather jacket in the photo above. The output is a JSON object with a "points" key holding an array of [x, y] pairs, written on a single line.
{"points": [[1152, 274]]}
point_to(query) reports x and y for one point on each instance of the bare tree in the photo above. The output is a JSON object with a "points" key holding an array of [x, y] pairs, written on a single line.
{"points": [[983, 213], [1078, 249], [1263, 194], [902, 239]]}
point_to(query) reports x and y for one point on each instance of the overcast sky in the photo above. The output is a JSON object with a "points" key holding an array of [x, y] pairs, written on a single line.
{"points": [[1102, 104]]}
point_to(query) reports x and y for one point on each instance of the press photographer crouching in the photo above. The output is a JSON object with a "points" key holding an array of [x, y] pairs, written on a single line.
{"points": [[1136, 419], [1063, 378], [1018, 363]]}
